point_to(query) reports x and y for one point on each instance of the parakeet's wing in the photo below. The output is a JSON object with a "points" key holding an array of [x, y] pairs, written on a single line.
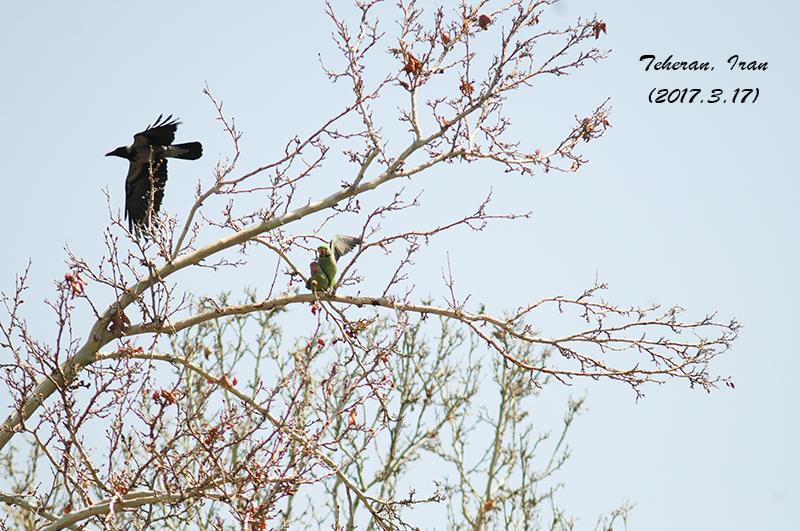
{"points": [[342, 245]]}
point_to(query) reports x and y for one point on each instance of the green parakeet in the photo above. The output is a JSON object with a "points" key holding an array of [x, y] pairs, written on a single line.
{"points": [[317, 281], [327, 256]]}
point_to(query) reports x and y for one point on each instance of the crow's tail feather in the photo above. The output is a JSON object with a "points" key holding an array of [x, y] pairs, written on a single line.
{"points": [[189, 150]]}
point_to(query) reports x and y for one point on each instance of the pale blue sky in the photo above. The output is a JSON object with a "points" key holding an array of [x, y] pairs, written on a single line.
{"points": [[693, 204]]}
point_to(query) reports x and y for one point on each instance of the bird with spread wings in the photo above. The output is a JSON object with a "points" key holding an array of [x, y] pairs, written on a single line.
{"points": [[147, 174]]}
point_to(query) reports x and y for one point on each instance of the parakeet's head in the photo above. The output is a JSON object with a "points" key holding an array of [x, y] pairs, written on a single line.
{"points": [[323, 251], [314, 268]]}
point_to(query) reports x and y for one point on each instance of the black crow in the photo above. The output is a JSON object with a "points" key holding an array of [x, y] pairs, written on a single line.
{"points": [[147, 175]]}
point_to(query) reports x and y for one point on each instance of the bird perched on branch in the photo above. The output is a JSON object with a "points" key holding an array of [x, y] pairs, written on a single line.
{"points": [[147, 174], [327, 256], [317, 281]]}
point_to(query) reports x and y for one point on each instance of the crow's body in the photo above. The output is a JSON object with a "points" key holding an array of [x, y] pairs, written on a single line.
{"points": [[147, 174]]}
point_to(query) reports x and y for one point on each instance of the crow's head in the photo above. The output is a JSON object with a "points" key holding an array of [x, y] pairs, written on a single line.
{"points": [[121, 152]]}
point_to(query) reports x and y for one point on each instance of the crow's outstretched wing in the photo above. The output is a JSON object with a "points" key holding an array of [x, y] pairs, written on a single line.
{"points": [[144, 178], [161, 133]]}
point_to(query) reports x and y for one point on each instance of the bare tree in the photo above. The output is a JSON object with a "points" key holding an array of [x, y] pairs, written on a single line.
{"points": [[202, 416]]}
